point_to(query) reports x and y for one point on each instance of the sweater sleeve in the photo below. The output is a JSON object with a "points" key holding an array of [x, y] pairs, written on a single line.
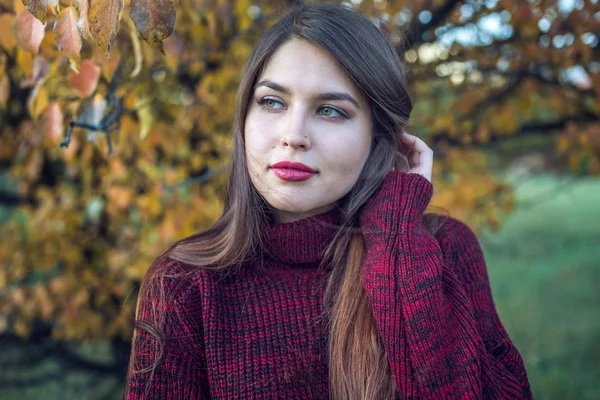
{"points": [[432, 301], [180, 371]]}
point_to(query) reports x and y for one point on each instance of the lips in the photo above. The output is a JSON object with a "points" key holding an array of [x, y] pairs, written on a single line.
{"points": [[293, 165], [293, 171]]}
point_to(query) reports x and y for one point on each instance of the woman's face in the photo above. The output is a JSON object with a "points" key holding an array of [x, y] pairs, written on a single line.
{"points": [[305, 109]]}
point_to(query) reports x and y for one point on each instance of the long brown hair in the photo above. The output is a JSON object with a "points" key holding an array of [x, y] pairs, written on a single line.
{"points": [[358, 364]]}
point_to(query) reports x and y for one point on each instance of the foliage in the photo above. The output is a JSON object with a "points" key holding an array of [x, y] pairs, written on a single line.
{"points": [[84, 224]]}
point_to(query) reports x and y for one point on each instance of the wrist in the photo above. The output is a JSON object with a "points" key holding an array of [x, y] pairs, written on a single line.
{"points": [[401, 200]]}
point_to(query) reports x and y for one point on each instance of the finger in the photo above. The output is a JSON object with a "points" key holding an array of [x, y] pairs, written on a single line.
{"points": [[408, 140], [419, 149], [421, 157], [416, 143]]}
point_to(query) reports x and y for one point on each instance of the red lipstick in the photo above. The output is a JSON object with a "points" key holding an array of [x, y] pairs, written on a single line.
{"points": [[293, 171]]}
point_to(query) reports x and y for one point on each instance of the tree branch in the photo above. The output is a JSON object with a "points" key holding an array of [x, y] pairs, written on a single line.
{"points": [[526, 130], [13, 199], [414, 35]]}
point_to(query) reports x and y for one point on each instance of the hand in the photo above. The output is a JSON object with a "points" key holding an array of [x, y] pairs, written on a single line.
{"points": [[418, 159]]}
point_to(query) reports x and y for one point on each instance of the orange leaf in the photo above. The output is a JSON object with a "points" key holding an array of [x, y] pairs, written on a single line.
{"points": [[37, 8], [120, 196], [154, 19], [7, 38], [67, 36], [109, 65], [84, 24], [28, 31], [52, 118], [104, 22], [86, 81]]}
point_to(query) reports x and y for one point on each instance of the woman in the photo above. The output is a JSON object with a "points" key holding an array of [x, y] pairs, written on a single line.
{"points": [[323, 278]]}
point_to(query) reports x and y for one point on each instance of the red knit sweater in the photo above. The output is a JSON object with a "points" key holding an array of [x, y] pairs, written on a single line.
{"points": [[259, 333]]}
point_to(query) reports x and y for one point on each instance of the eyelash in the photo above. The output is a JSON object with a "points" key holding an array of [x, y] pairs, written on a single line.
{"points": [[261, 104]]}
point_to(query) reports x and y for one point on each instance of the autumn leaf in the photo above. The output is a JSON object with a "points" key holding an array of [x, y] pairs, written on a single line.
{"points": [[86, 80], [154, 19], [83, 24], [39, 69], [52, 119], [7, 38], [4, 90], [25, 62], [104, 22], [67, 36], [29, 31], [37, 8], [108, 65], [38, 100], [94, 210], [146, 116]]}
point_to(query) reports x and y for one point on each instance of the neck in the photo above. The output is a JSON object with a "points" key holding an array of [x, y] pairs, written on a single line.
{"points": [[282, 216]]}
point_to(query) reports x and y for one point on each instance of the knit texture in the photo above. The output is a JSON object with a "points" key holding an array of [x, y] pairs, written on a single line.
{"points": [[260, 333]]}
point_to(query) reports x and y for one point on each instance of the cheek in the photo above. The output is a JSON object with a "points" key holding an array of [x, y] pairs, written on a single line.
{"points": [[256, 146], [349, 156]]}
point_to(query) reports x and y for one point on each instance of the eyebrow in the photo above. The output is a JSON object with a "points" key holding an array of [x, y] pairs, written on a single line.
{"points": [[320, 96]]}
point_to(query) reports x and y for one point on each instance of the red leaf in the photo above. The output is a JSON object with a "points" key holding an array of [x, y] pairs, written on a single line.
{"points": [[86, 81], [53, 118]]}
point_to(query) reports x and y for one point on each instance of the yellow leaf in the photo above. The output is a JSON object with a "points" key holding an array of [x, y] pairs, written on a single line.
{"points": [[38, 101], [104, 22], [108, 65], [146, 120], [25, 61], [137, 50], [7, 38]]}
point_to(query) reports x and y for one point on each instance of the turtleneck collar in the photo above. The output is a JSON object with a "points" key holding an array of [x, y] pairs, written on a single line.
{"points": [[302, 241]]}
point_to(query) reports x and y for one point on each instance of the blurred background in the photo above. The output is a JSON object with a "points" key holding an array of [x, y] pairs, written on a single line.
{"points": [[506, 92]]}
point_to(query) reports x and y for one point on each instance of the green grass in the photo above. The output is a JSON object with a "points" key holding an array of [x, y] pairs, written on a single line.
{"points": [[544, 269]]}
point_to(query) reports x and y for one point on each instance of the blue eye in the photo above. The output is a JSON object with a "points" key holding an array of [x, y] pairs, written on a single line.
{"points": [[268, 103], [332, 112]]}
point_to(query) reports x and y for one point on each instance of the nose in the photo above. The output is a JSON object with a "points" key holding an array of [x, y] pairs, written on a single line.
{"points": [[296, 133]]}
